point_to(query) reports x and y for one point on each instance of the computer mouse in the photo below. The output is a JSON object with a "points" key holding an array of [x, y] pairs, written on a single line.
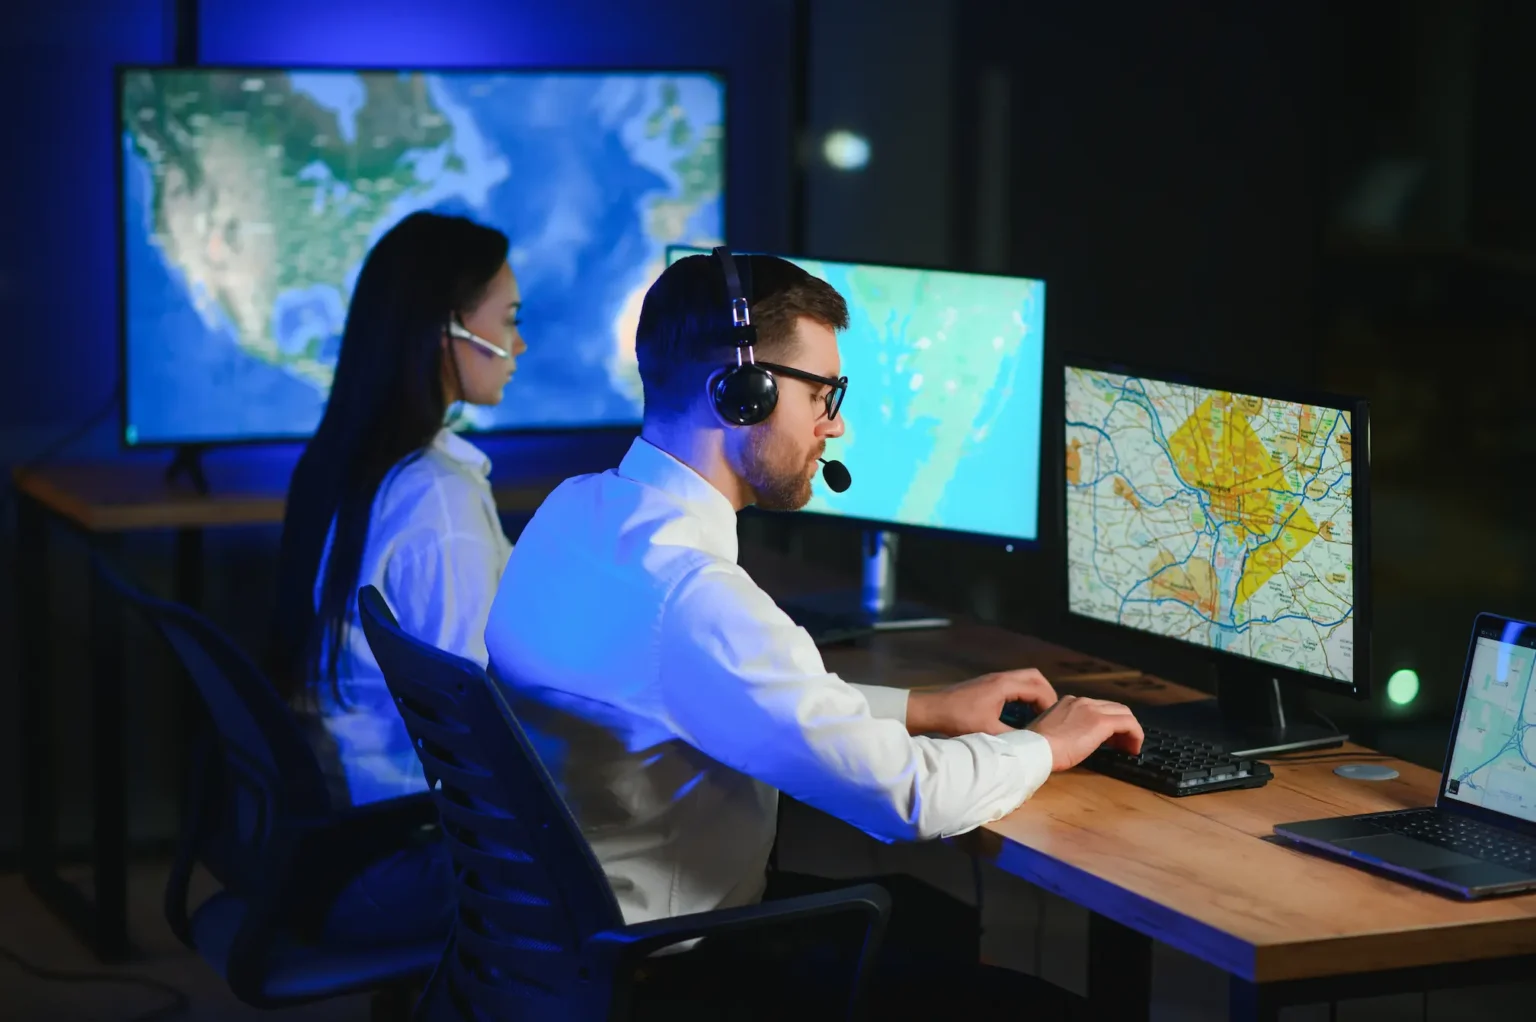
{"points": [[1018, 715]]}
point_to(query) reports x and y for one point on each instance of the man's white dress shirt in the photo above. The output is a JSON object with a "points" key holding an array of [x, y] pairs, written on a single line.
{"points": [[436, 550], [671, 699]]}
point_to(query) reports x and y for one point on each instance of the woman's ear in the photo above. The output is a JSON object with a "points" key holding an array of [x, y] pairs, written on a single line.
{"points": [[453, 388]]}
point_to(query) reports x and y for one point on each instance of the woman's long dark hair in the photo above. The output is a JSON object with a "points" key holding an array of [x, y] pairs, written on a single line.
{"points": [[386, 404]]}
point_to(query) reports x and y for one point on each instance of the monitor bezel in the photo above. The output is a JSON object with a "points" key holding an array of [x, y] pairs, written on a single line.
{"points": [[121, 71], [1011, 544], [1444, 799], [1359, 686]]}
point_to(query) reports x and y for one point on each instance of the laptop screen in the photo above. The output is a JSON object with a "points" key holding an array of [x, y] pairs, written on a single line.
{"points": [[1493, 760]]}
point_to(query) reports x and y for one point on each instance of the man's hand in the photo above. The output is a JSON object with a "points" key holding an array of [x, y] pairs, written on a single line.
{"points": [[1075, 726], [974, 706]]}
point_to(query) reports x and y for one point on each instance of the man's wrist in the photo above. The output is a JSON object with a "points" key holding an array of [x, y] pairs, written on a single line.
{"points": [[923, 712]]}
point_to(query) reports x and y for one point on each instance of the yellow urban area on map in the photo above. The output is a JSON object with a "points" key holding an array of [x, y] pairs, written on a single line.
{"points": [[1217, 451]]}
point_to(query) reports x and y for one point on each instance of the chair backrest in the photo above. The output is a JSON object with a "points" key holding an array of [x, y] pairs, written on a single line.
{"points": [[530, 890], [266, 771]]}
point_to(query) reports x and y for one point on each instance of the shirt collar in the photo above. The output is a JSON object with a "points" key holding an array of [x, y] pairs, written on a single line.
{"points": [[651, 466], [462, 451]]}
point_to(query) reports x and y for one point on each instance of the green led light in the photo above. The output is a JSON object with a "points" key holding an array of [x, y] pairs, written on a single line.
{"points": [[1403, 686]]}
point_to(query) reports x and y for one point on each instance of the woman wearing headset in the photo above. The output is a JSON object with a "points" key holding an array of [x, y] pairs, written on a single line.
{"points": [[385, 494]]}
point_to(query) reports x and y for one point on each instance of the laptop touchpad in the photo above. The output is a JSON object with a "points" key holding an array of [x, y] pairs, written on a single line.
{"points": [[1405, 852]]}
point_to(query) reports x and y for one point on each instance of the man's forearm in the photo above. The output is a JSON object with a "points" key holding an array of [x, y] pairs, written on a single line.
{"points": [[920, 710], [888, 703]]}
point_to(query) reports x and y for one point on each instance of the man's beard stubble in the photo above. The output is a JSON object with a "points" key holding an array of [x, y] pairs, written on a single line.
{"points": [[777, 485]]}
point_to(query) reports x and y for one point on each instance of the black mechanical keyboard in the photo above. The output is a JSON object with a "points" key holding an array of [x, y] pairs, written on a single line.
{"points": [[1169, 763], [1176, 765], [1460, 834]]}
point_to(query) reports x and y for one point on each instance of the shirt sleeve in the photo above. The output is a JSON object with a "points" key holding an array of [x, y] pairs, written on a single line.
{"points": [[441, 585], [744, 685], [885, 702]]}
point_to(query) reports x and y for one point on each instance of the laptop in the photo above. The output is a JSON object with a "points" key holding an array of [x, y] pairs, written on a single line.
{"points": [[1479, 838]]}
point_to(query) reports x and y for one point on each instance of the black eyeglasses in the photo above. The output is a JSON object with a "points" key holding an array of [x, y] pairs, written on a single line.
{"points": [[834, 396]]}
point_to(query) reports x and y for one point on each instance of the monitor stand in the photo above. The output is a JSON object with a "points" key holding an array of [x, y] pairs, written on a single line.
{"points": [[875, 607], [1253, 714], [188, 460]]}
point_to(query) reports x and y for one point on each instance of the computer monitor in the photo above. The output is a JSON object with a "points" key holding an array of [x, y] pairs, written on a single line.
{"points": [[942, 416], [250, 196], [1232, 519]]}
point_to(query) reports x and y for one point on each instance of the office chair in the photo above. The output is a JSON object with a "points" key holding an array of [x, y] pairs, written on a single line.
{"points": [[539, 934], [261, 821]]}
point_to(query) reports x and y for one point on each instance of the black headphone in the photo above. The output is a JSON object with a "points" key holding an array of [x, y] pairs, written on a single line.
{"points": [[745, 393]]}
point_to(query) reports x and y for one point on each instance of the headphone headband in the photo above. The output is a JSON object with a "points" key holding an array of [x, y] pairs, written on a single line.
{"points": [[743, 333]]}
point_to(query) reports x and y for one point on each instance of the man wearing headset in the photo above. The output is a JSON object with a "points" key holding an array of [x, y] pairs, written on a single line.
{"points": [[671, 699]]}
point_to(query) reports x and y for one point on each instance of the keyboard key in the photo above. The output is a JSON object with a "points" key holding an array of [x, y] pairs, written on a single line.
{"points": [[1465, 835]]}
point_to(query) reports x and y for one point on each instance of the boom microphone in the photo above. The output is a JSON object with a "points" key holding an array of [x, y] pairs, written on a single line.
{"points": [[836, 475]]}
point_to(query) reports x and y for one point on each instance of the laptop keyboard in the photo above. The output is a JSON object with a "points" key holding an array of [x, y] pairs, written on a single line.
{"points": [[1467, 836]]}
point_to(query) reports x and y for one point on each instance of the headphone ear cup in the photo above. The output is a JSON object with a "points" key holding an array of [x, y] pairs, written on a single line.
{"points": [[745, 395]]}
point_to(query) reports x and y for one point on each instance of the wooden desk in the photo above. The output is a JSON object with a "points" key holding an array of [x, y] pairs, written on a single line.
{"points": [[1203, 873], [120, 497], [100, 503]]}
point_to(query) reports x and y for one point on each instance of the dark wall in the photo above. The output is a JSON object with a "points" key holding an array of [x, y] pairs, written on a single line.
{"points": [[1502, 213], [58, 273], [1163, 174], [1157, 164], [58, 259], [888, 80], [1429, 310]]}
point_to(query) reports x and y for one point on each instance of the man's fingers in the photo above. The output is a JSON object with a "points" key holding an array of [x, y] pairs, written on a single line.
{"points": [[1104, 704], [1060, 706], [1124, 730], [1126, 743], [1030, 686]]}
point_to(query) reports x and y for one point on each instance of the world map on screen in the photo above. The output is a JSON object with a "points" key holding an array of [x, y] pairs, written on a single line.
{"points": [[250, 199]]}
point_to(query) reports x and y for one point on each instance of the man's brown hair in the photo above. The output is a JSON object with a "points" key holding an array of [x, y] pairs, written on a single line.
{"points": [[685, 322]]}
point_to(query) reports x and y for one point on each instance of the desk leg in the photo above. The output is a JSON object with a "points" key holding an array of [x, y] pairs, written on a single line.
{"points": [[1250, 1002], [101, 921], [1119, 971], [40, 824], [189, 568], [109, 766], [187, 704]]}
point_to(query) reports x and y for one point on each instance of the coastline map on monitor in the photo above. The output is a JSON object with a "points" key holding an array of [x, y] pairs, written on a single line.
{"points": [[1220, 519], [251, 196], [942, 417]]}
